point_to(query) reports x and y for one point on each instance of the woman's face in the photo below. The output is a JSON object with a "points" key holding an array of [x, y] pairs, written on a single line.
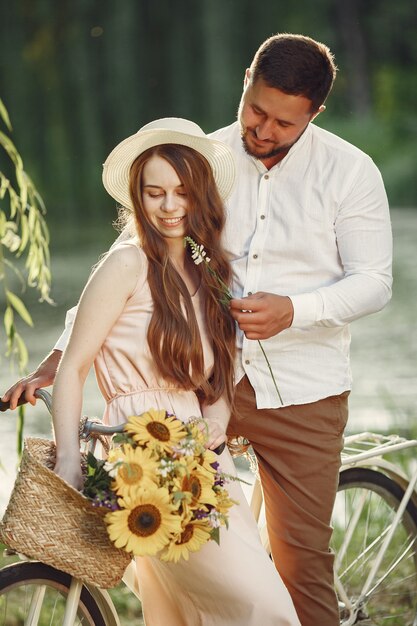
{"points": [[164, 198]]}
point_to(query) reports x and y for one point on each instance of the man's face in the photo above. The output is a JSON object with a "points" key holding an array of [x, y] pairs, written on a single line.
{"points": [[271, 121]]}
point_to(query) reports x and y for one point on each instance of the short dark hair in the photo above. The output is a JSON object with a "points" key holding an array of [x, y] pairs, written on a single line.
{"points": [[296, 65]]}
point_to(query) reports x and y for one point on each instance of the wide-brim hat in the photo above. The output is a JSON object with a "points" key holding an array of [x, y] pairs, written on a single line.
{"points": [[168, 130]]}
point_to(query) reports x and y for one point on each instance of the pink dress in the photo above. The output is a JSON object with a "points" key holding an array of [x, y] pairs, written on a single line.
{"points": [[234, 584]]}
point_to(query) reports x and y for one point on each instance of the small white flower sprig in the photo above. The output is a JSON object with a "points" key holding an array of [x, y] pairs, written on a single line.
{"points": [[199, 255]]}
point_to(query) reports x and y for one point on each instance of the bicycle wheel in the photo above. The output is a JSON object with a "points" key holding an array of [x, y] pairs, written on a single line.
{"points": [[24, 585], [364, 511]]}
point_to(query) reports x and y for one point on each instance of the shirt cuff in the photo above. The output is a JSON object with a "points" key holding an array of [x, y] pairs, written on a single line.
{"points": [[61, 344], [307, 309]]}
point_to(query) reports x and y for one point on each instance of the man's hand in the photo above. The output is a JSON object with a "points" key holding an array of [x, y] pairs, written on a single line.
{"points": [[262, 315], [43, 376]]}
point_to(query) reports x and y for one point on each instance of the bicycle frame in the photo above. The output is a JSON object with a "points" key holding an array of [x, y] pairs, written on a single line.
{"points": [[362, 450], [368, 450]]}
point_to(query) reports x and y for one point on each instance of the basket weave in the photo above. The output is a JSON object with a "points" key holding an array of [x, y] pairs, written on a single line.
{"points": [[50, 521]]}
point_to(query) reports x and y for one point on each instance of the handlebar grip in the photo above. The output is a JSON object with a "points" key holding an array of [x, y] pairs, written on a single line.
{"points": [[4, 406], [220, 448]]}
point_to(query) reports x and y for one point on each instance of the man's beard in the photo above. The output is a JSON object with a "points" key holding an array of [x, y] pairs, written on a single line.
{"points": [[272, 153]]}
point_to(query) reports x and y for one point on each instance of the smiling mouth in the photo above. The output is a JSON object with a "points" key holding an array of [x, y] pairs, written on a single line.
{"points": [[171, 221]]}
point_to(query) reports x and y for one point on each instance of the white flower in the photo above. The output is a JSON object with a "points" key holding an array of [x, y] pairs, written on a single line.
{"points": [[166, 466], [111, 468], [214, 518], [186, 449], [198, 254]]}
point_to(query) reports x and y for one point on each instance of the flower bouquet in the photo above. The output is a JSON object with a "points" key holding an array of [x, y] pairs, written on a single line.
{"points": [[164, 490]]}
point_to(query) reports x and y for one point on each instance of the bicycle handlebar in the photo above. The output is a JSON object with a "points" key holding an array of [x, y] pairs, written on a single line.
{"points": [[5, 406], [90, 427]]}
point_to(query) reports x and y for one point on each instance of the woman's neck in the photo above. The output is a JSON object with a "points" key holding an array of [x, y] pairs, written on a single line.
{"points": [[176, 253]]}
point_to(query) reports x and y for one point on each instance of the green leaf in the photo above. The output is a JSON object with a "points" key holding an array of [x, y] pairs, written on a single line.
{"points": [[215, 535], [21, 181], [16, 271], [91, 460], [5, 116], [11, 150], [22, 352], [19, 307], [4, 185], [120, 438], [8, 321], [24, 233]]}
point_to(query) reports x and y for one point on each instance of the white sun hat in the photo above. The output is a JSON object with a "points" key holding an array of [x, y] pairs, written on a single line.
{"points": [[168, 130]]}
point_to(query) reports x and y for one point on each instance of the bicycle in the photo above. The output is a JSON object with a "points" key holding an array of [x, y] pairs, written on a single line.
{"points": [[35, 594], [374, 533], [374, 540]]}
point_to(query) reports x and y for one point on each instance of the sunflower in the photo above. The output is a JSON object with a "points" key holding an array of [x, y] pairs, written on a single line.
{"points": [[134, 467], [146, 523], [209, 460], [199, 484], [194, 534], [156, 430]]}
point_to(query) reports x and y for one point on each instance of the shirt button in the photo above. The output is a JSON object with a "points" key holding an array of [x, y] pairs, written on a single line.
{"points": [[247, 362], [249, 293], [266, 176], [262, 217], [255, 256]]}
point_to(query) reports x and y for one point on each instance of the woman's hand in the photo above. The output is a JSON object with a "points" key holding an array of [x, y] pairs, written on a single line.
{"points": [[214, 432]]}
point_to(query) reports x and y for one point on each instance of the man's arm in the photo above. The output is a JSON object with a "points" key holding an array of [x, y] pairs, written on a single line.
{"points": [[43, 376], [364, 246]]}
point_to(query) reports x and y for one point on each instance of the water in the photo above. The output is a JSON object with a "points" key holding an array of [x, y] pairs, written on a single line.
{"points": [[384, 348]]}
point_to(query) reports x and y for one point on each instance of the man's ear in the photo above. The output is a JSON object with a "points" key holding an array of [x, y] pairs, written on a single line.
{"points": [[319, 110], [247, 78]]}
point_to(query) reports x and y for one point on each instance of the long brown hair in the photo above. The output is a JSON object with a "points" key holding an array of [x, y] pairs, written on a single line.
{"points": [[173, 334]]}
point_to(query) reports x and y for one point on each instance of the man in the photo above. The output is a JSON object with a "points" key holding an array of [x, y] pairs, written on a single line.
{"points": [[309, 233]]}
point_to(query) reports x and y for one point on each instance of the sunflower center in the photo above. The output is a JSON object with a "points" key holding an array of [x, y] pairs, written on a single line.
{"points": [[130, 473], [192, 483], [144, 520], [186, 535], [158, 431]]}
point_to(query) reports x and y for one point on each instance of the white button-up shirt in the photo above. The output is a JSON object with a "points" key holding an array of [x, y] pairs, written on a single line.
{"points": [[316, 228]]}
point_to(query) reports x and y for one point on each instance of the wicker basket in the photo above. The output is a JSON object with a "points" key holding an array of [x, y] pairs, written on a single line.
{"points": [[50, 521]]}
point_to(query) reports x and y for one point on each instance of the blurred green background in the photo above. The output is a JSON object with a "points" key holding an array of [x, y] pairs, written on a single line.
{"points": [[78, 76]]}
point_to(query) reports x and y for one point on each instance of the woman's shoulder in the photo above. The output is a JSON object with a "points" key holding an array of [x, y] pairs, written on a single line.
{"points": [[125, 259], [128, 252]]}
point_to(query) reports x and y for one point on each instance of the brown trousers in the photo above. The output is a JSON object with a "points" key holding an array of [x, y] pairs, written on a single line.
{"points": [[298, 451]]}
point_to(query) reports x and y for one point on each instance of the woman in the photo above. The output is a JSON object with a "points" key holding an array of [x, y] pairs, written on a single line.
{"points": [[151, 321]]}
